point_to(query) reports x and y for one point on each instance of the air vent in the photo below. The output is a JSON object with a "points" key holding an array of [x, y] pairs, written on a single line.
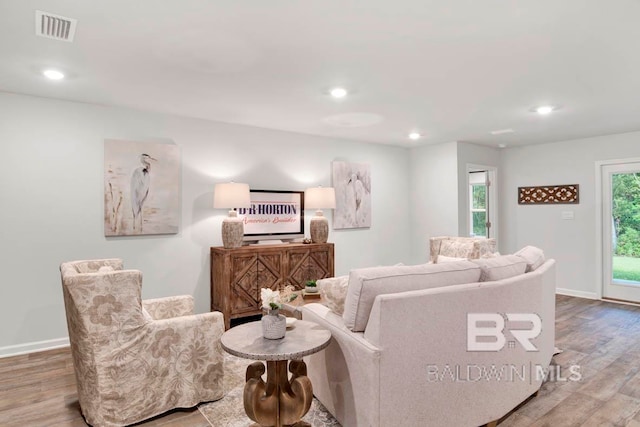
{"points": [[55, 26]]}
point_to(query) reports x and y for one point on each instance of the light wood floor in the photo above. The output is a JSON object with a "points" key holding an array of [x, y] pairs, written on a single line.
{"points": [[602, 338]]}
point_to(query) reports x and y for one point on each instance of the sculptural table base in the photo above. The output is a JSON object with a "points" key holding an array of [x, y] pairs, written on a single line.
{"points": [[280, 401]]}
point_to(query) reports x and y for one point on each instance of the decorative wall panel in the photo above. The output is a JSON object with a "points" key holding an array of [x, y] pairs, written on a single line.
{"points": [[549, 195]]}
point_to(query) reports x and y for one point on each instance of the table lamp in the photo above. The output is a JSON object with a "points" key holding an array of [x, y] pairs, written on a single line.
{"points": [[319, 198], [232, 195]]}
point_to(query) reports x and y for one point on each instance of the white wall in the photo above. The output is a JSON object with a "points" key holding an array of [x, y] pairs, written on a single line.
{"points": [[52, 202], [472, 154], [571, 242], [434, 196]]}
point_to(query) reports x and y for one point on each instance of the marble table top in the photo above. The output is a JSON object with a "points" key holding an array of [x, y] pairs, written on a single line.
{"points": [[302, 339]]}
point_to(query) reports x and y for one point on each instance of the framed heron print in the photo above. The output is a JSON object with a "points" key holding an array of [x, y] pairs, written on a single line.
{"points": [[352, 182], [141, 188]]}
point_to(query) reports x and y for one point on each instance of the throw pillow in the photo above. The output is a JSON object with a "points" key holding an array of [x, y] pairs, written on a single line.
{"points": [[334, 291], [533, 256], [500, 268], [442, 258]]}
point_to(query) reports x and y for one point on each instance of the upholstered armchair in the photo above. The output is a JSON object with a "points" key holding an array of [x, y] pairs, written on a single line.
{"points": [[460, 247], [136, 359]]}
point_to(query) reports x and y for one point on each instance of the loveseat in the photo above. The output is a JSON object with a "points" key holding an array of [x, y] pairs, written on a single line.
{"points": [[401, 353]]}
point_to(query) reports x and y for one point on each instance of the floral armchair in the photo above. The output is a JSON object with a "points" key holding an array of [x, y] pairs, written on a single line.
{"points": [[460, 247], [136, 359]]}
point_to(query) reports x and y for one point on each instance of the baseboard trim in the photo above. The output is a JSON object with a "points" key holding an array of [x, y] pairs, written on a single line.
{"points": [[33, 347], [579, 294]]}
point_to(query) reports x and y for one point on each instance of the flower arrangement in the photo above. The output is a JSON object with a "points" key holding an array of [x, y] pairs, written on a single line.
{"points": [[272, 300]]}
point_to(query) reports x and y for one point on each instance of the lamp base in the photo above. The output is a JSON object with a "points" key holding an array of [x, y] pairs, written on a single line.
{"points": [[232, 231], [319, 228]]}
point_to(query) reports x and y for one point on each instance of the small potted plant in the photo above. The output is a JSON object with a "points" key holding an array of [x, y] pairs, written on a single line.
{"points": [[274, 324], [311, 287]]}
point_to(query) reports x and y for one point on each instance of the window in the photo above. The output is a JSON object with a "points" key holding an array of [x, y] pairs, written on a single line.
{"points": [[478, 204], [478, 210]]}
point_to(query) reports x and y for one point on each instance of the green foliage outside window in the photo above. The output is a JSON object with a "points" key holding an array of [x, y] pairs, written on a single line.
{"points": [[626, 214], [479, 218], [479, 221], [479, 197]]}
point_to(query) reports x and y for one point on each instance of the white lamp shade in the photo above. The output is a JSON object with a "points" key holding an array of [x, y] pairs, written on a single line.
{"points": [[231, 195], [320, 198]]}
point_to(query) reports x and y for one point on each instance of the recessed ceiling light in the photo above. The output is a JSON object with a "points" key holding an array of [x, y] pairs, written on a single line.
{"points": [[502, 145], [501, 131], [338, 92], [545, 109], [53, 74], [414, 136]]}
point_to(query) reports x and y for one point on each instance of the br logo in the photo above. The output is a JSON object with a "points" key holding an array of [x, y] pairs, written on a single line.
{"points": [[492, 325]]}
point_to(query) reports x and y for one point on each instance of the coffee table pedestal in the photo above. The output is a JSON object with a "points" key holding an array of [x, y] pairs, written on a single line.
{"points": [[279, 401]]}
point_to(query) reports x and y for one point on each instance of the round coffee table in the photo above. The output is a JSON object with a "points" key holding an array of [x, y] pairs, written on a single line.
{"points": [[280, 401]]}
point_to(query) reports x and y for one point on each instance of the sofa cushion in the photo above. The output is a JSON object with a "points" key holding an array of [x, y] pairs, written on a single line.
{"points": [[367, 283], [533, 256], [501, 267], [334, 291]]}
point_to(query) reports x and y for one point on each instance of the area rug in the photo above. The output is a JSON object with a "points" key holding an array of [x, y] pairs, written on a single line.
{"points": [[229, 411]]}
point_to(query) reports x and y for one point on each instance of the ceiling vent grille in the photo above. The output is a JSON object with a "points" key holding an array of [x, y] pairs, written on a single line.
{"points": [[55, 26]]}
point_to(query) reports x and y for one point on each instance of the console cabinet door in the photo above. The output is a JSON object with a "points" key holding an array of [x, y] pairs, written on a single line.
{"points": [[311, 263], [245, 295]]}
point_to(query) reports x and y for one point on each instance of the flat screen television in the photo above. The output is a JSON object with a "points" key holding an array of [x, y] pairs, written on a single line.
{"points": [[273, 215]]}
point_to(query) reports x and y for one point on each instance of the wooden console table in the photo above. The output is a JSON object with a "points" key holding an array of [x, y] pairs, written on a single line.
{"points": [[237, 275]]}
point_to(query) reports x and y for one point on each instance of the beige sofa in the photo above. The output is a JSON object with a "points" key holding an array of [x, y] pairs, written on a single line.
{"points": [[399, 353]]}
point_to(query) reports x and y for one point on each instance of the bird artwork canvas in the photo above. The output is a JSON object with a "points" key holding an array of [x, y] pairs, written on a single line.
{"points": [[141, 188], [352, 183]]}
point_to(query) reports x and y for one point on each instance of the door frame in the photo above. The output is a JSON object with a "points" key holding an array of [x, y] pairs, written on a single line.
{"points": [[600, 279]]}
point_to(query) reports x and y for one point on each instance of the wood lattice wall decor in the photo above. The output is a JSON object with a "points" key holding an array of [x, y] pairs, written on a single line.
{"points": [[549, 195]]}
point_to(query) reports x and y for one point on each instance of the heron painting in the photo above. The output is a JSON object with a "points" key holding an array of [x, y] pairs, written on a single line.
{"points": [[352, 183], [142, 193]]}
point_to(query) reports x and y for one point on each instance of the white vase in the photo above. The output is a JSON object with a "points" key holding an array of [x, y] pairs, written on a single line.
{"points": [[274, 325]]}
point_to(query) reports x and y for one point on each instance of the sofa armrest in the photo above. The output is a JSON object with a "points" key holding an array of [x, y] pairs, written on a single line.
{"points": [[322, 315], [165, 308], [346, 375]]}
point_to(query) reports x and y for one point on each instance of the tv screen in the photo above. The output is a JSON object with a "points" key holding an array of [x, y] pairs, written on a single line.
{"points": [[273, 214]]}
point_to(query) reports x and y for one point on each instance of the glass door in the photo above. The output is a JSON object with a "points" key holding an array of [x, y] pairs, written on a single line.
{"points": [[621, 231]]}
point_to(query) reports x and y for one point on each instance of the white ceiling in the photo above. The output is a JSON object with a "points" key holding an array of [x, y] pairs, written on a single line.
{"points": [[454, 70]]}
